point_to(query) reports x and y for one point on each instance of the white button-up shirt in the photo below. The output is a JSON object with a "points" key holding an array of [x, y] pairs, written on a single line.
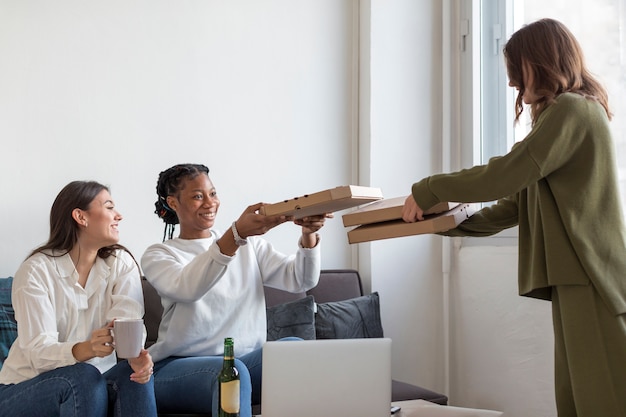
{"points": [[54, 312]]}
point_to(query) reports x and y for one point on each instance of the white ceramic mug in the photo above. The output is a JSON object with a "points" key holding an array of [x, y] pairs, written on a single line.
{"points": [[128, 337]]}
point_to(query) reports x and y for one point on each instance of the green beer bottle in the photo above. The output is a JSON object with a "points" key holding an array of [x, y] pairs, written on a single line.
{"points": [[229, 383]]}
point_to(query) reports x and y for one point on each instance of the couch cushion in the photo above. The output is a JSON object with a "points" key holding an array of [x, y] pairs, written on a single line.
{"points": [[8, 326], [294, 318], [153, 311], [337, 285], [354, 318]]}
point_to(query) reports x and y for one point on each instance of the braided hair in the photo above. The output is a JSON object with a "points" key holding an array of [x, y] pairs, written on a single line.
{"points": [[170, 184]]}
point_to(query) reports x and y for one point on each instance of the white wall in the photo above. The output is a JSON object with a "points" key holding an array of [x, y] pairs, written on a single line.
{"points": [[405, 132], [502, 344], [117, 91], [473, 337]]}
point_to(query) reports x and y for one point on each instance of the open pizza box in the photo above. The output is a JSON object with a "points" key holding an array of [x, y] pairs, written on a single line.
{"points": [[383, 220], [326, 201]]}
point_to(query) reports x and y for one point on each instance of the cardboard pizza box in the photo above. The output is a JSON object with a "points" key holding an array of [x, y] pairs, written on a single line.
{"points": [[433, 223], [387, 209], [326, 201]]}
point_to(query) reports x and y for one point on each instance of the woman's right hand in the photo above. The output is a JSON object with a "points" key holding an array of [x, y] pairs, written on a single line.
{"points": [[251, 223], [100, 345]]}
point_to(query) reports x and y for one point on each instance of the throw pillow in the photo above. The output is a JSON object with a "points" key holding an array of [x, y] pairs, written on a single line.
{"points": [[294, 318], [8, 326], [349, 319]]}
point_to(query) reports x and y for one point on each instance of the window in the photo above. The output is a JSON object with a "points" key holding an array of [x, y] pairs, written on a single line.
{"points": [[485, 25], [598, 26]]}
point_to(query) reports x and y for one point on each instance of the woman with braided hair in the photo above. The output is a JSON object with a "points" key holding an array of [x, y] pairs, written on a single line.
{"points": [[211, 286]]}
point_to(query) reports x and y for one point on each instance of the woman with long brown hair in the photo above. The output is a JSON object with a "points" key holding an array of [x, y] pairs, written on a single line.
{"points": [[66, 295], [559, 185]]}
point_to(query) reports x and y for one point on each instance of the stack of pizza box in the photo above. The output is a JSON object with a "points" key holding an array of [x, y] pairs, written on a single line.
{"points": [[383, 220], [375, 217]]}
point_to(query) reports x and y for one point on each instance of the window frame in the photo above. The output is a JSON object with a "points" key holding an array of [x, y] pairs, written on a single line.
{"points": [[486, 112]]}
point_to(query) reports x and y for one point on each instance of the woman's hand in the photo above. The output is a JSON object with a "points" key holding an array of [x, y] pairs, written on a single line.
{"points": [[142, 367], [411, 212], [251, 223], [100, 345], [310, 226]]}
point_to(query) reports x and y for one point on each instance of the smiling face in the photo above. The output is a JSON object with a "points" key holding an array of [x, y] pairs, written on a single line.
{"points": [[102, 220], [196, 206]]}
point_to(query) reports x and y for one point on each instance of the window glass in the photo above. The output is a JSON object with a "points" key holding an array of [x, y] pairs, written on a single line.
{"points": [[599, 27]]}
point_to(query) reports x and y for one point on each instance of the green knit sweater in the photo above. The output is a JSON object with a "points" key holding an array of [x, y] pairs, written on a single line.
{"points": [[560, 186]]}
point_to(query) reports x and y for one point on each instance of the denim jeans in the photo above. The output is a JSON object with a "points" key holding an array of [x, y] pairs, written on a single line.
{"points": [[128, 398], [189, 385], [79, 390], [254, 362]]}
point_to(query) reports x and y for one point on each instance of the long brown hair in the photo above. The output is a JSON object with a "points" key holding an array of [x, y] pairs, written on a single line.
{"points": [[551, 52], [63, 227]]}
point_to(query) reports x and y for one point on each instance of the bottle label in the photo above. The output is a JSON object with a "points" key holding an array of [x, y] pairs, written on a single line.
{"points": [[229, 396]]}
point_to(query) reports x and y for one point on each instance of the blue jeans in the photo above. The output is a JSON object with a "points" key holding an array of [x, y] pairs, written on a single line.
{"points": [[79, 390], [189, 385], [128, 398], [254, 362]]}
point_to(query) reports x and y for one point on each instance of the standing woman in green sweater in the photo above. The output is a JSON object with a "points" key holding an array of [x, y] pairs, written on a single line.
{"points": [[559, 185]]}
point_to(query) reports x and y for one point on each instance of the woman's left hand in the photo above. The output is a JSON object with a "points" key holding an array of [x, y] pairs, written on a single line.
{"points": [[310, 225], [142, 367], [412, 212]]}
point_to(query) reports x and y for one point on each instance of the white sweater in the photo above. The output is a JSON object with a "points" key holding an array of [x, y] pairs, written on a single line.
{"points": [[208, 296]]}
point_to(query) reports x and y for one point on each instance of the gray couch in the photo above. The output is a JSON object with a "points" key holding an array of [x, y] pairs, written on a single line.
{"points": [[341, 308]]}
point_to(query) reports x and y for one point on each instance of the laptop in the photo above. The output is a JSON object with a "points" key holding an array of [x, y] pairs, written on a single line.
{"points": [[331, 377]]}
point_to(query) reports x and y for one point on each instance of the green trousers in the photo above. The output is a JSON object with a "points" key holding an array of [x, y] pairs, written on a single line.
{"points": [[590, 354]]}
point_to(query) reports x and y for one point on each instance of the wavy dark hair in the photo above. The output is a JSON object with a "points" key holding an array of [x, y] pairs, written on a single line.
{"points": [[63, 228], [554, 56], [170, 184]]}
